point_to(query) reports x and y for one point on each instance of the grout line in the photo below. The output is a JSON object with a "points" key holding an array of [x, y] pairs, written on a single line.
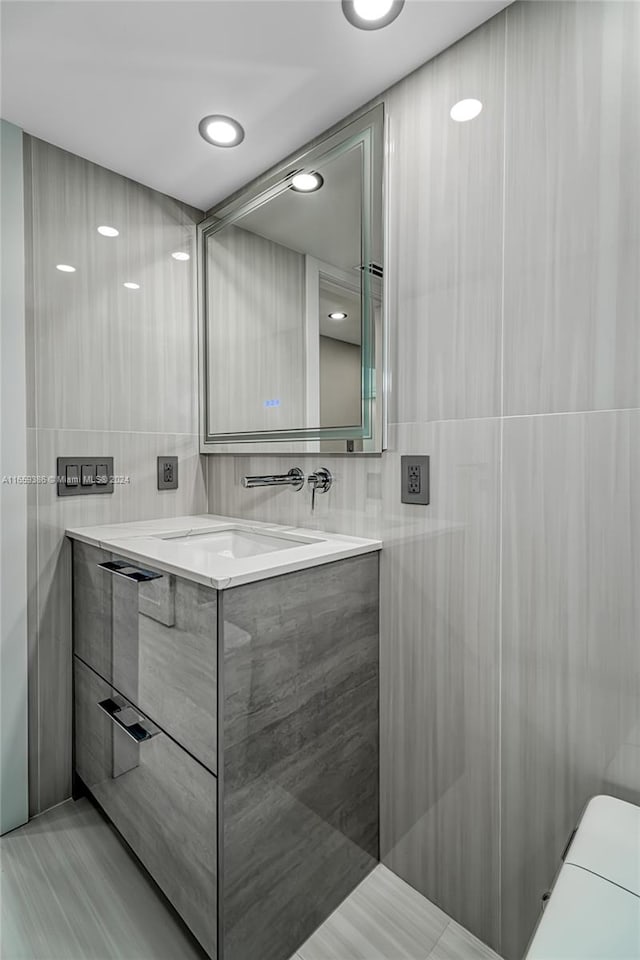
{"points": [[36, 625], [35, 607], [135, 433], [406, 423], [514, 416], [500, 669], [501, 476], [392, 423], [433, 948], [504, 215]]}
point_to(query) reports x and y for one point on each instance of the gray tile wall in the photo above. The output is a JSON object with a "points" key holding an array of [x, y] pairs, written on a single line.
{"points": [[510, 664], [353, 505], [570, 667], [439, 602], [111, 371], [572, 196], [570, 629], [445, 234]]}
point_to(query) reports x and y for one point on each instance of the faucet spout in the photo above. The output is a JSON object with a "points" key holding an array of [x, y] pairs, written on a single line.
{"points": [[294, 478]]}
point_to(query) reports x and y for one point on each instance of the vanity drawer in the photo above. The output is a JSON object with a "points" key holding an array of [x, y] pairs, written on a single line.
{"points": [[161, 800], [154, 639]]}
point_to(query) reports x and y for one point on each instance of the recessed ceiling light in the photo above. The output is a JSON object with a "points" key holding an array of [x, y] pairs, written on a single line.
{"points": [[371, 14], [221, 131], [465, 110], [131, 286], [338, 315], [180, 255], [65, 267], [108, 231], [306, 182]]}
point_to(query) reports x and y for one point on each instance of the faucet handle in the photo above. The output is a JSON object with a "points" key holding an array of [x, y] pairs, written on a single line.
{"points": [[320, 482]]}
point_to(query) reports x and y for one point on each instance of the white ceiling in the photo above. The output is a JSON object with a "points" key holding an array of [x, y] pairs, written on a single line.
{"points": [[125, 82]]}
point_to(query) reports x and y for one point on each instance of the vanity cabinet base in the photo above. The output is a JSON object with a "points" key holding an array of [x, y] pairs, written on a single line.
{"points": [[248, 788]]}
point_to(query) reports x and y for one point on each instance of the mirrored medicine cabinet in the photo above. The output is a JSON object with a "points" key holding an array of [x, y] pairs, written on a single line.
{"points": [[291, 303]]}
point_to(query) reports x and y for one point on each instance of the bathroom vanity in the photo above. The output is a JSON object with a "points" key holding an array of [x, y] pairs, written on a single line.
{"points": [[226, 717]]}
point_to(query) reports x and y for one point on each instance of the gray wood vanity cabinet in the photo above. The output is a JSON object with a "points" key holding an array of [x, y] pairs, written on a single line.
{"points": [[232, 738]]}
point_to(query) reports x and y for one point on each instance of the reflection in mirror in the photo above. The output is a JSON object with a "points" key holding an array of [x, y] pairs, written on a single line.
{"points": [[272, 273], [290, 310], [340, 358], [257, 298]]}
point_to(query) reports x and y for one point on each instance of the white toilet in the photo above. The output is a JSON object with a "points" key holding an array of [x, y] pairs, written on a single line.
{"points": [[594, 909]]}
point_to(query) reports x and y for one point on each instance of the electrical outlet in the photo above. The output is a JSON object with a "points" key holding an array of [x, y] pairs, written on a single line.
{"points": [[167, 473], [415, 479]]}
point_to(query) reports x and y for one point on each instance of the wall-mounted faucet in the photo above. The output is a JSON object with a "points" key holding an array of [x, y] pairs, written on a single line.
{"points": [[294, 478], [320, 481]]}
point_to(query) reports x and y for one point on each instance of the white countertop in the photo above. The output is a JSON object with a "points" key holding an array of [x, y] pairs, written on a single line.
{"points": [[143, 543]]}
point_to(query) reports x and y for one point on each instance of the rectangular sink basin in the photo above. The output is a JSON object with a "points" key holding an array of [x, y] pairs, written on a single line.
{"points": [[236, 543]]}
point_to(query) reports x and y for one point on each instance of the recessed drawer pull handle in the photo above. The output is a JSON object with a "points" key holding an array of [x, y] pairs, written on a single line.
{"points": [[128, 720], [122, 569]]}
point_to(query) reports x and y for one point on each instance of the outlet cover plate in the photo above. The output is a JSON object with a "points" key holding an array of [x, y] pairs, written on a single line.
{"points": [[415, 479], [167, 473]]}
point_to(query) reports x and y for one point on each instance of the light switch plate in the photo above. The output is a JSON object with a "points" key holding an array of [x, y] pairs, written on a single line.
{"points": [[415, 479], [94, 475], [167, 473]]}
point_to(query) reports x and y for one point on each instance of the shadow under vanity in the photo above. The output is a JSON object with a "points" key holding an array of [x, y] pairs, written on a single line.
{"points": [[230, 731]]}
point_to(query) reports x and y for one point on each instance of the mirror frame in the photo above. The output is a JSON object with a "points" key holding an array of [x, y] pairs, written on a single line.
{"points": [[369, 437]]}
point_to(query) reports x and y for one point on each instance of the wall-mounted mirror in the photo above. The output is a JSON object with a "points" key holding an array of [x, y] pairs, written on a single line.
{"points": [[291, 303]]}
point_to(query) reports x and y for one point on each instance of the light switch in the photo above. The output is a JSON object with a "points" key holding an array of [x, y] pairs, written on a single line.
{"points": [[72, 476], [102, 473], [87, 475]]}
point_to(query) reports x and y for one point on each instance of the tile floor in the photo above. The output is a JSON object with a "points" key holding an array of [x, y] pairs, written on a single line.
{"points": [[386, 919], [69, 890]]}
